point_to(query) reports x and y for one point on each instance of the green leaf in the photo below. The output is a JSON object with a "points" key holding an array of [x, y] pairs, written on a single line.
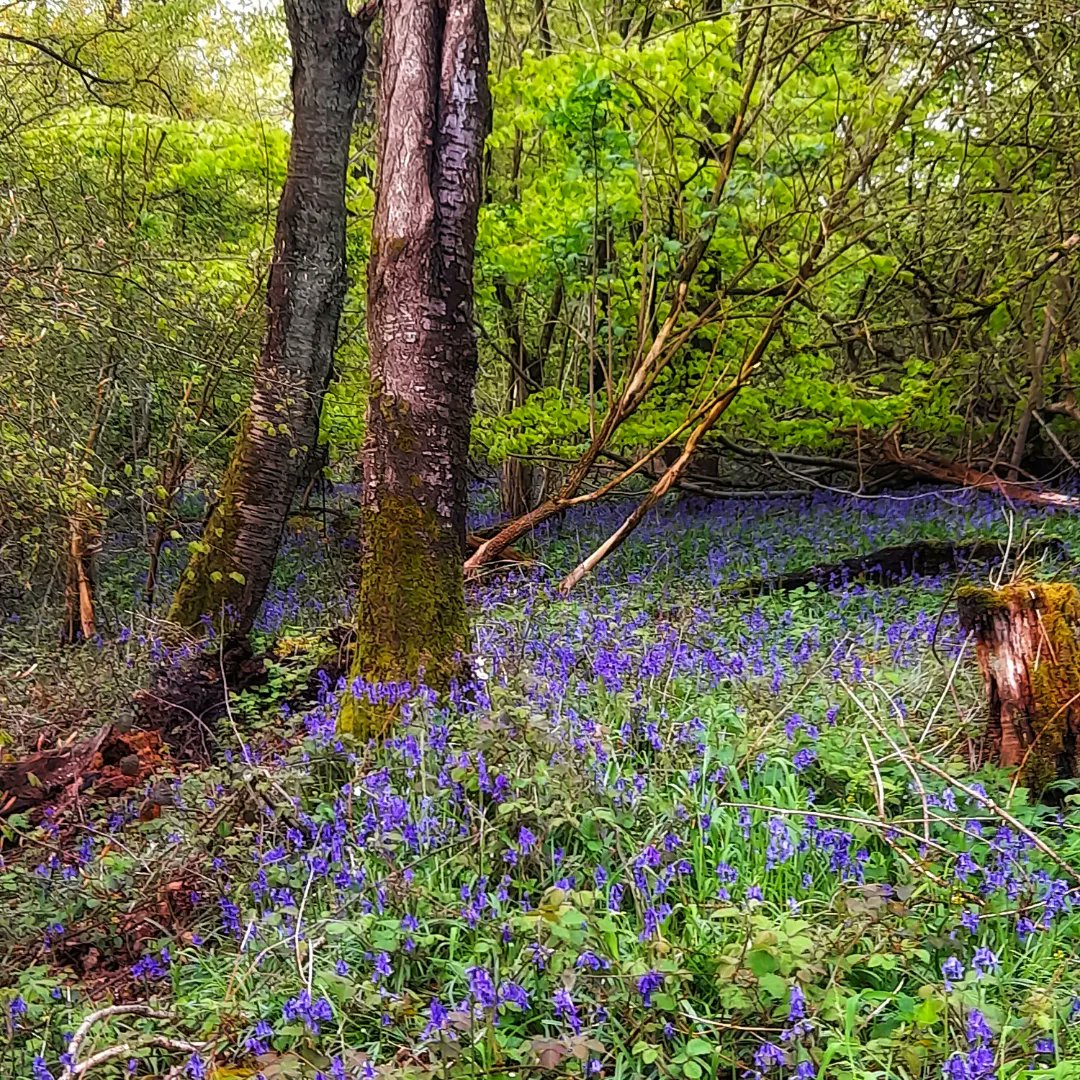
{"points": [[762, 962]]}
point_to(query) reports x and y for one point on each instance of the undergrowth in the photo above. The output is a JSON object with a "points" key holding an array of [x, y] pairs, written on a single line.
{"points": [[655, 836]]}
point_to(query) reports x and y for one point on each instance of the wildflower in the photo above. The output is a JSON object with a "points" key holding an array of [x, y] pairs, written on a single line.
{"points": [[768, 1056], [39, 1069], [985, 960], [195, 1068], [654, 920], [438, 1018], [647, 985], [1044, 1046], [977, 1030], [955, 1068], [796, 1003], [341, 967], [17, 1008], [383, 969], [566, 1010], [969, 920], [481, 987], [590, 960], [953, 971], [780, 847], [510, 993], [805, 1070]]}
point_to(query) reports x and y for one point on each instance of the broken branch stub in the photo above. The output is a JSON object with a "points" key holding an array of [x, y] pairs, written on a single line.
{"points": [[1027, 643]]}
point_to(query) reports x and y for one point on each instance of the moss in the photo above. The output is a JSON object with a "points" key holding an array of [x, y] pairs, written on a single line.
{"points": [[206, 587], [1038, 624], [977, 601], [412, 616], [1055, 681]]}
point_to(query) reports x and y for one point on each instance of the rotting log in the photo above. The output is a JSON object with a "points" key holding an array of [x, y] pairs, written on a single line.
{"points": [[1028, 648], [894, 565]]}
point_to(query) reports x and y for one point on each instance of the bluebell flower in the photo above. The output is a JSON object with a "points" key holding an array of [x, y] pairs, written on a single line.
{"points": [[985, 960], [952, 971], [769, 1056], [566, 1010], [481, 987], [510, 993], [977, 1029], [647, 985], [383, 968]]}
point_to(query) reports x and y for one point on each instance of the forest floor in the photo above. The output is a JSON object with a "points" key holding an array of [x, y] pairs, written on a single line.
{"points": [[670, 828]]}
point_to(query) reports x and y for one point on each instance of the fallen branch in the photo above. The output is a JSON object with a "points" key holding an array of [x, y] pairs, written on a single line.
{"points": [[951, 472]]}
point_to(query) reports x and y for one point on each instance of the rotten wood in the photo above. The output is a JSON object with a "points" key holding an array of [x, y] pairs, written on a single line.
{"points": [[892, 565], [1027, 644]]}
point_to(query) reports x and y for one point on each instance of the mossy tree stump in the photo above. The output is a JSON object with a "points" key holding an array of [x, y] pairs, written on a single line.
{"points": [[1027, 639]]}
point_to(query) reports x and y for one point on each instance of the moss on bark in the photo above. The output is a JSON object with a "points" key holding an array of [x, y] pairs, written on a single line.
{"points": [[1028, 634], [211, 583], [412, 625]]}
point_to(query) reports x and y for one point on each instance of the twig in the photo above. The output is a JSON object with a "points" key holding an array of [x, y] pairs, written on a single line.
{"points": [[103, 1014], [160, 1042]]}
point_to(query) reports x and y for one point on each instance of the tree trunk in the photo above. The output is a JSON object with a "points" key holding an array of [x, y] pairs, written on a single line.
{"points": [[230, 570], [434, 111], [522, 482], [80, 621], [1029, 654]]}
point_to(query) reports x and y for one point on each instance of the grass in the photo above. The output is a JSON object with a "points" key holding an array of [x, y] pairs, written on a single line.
{"points": [[658, 835]]}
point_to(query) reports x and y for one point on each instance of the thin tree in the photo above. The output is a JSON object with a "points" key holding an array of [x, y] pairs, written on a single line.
{"points": [[433, 115], [227, 577]]}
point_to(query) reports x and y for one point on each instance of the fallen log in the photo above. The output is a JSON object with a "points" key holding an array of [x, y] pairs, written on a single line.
{"points": [[951, 472], [1027, 640], [892, 565]]}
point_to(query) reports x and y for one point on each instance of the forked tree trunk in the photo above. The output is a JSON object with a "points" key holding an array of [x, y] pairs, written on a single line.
{"points": [[230, 570], [433, 117], [1027, 643]]}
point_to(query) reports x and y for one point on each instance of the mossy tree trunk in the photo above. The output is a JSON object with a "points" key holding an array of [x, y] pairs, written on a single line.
{"points": [[1026, 639], [433, 118], [232, 562]]}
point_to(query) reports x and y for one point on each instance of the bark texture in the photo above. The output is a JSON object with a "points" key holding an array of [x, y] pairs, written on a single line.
{"points": [[1026, 639], [433, 118], [231, 567]]}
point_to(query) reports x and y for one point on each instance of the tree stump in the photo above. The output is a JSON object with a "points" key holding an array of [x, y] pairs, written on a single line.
{"points": [[1027, 639]]}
